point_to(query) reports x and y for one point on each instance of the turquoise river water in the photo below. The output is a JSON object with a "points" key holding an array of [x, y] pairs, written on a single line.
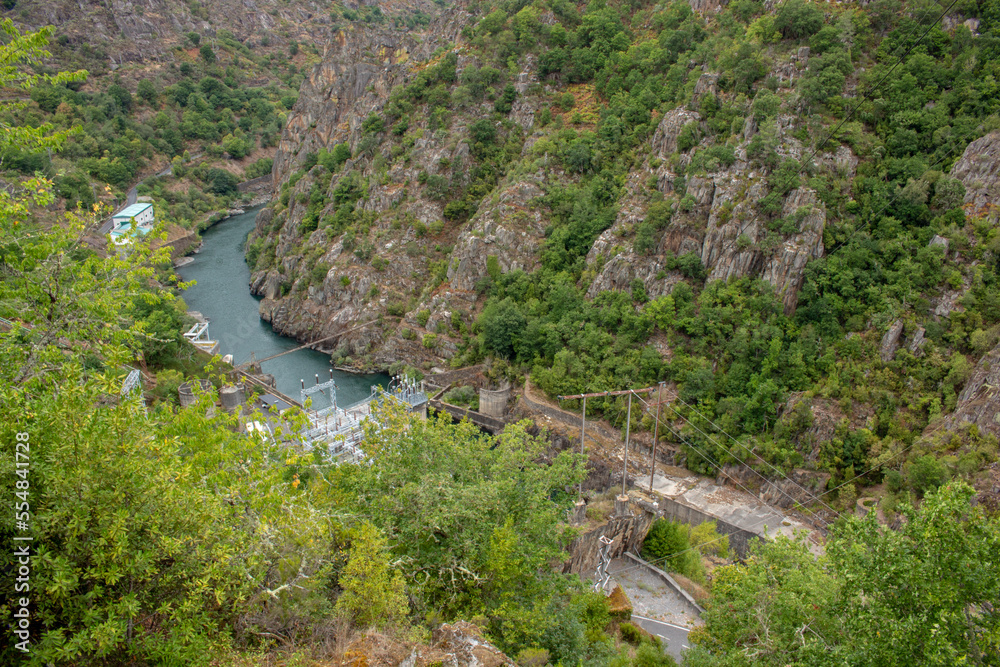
{"points": [[222, 295]]}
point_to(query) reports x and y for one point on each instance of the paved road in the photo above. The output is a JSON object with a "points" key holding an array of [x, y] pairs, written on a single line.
{"points": [[674, 636]]}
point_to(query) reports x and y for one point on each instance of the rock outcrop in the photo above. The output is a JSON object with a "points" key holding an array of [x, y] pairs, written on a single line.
{"points": [[507, 227], [979, 401], [458, 644], [979, 171], [717, 217], [146, 31], [890, 341]]}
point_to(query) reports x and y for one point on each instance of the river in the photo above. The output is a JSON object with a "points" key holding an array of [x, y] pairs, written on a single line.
{"points": [[222, 295]]}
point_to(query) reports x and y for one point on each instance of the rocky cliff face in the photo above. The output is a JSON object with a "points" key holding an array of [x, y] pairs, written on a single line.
{"points": [[716, 216], [979, 171], [979, 402], [506, 227], [145, 31], [358, 70], [415, 264]]}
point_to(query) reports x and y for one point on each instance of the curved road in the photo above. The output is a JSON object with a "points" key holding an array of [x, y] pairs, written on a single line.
{"points": [[674, 636]]}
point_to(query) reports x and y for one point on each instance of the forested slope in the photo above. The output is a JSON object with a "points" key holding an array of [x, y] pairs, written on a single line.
{"points": [[160, 535], [772, 207], [199, 90]]}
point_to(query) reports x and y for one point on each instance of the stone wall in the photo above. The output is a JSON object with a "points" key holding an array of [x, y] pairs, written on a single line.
{"points": [[566, 418], [471, 375]]}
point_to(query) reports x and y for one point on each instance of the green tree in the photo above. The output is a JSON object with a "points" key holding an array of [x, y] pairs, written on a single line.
{"points": [[502, 323], [221, 182], [440, 493], [774, 609], [797, 19], [147, 92], [926, 593], [374, 593]]}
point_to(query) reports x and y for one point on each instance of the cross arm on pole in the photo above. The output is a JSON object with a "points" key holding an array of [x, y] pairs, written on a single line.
{"points": [[623, 392]]}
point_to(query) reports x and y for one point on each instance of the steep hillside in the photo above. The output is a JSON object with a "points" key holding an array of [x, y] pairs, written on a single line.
{"points": [[191, 97], [774, 192], [119, 32]]}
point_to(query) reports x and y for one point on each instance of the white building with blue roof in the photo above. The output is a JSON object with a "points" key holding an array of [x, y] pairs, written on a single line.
{"points": [[141, 215]]}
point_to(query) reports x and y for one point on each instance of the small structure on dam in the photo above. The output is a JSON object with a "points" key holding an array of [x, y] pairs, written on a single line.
{"points": [[232, 397], [493, 402]]}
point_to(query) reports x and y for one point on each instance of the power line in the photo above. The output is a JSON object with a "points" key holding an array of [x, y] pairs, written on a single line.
{"points": [[750, 451], [826, 524]]}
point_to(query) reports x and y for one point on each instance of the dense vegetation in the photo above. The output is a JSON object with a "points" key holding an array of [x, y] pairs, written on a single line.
{"points": [[904, 102], [920, 595], [197, 116], [165, 536]]}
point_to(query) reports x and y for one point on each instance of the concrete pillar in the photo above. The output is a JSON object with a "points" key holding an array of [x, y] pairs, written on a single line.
{"points": [[579, 515], [232, 397], [621, 506]]}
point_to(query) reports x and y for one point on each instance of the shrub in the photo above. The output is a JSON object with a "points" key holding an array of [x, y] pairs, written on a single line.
{"points": [[797, 19], [462, 396], [533, 657], [669, 543], [664, 541], [894, 481], [373, 124], [926, 473], [630, 633], [706, 538], [645, 239]]}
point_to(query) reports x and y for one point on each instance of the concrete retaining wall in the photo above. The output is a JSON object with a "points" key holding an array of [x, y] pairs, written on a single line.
{"points": [[739, 539]]}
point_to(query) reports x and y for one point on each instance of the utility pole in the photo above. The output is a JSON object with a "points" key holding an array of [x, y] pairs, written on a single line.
{"points": [[656, 433], [583, 432], [628, 424], [621, 503]]}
